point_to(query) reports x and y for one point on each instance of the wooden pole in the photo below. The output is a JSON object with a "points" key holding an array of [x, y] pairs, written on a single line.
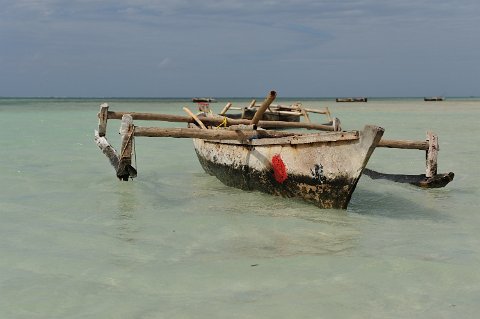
{"points": [[336, 125], [210, 134], [432, 154], [215, 121], [327, 111], [151, 117], [305, 114], [125, 169], [107, 149], [197, 120], [102, 119], [252, 104], [243, 113], [266, 103], [225, 109], [296, 112], [403, 144], [283, 124]]}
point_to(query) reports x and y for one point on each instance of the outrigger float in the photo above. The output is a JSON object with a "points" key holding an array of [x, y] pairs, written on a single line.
{"points": [[322, 167]]}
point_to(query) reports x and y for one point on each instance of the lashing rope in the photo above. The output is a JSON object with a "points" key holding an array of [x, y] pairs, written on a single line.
{"points": [[224, 122]]}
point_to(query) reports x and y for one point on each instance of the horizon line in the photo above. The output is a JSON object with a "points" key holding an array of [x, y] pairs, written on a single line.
{"points": [[231, 97]]}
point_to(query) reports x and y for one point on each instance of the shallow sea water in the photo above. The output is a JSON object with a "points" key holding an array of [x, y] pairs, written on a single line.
{"points": [[176, 243]]}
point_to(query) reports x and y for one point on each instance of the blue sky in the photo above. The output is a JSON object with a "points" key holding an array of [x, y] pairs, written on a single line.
{"points": [[170, 48]]}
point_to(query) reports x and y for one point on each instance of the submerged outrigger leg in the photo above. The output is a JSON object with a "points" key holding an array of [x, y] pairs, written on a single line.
{"points": [[121, 163]]}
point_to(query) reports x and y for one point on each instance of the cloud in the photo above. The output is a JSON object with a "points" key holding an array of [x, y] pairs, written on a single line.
{"points": [[251, 40]]}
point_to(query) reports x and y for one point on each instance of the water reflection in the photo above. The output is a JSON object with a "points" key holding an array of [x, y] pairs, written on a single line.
{"points": [[126, 209], [257, 225], [273, 243], [406, 203]]}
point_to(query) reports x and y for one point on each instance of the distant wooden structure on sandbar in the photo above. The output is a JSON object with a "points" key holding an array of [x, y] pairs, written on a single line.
{"points": [[434, 99], [352, 99]]}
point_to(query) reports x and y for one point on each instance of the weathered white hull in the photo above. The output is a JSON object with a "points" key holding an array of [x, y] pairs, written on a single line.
{"points": [[322, 168]]}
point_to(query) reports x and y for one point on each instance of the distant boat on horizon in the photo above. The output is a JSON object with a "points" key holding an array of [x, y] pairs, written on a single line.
{"points": [[434, 99], [352, 99], [203, 100]]}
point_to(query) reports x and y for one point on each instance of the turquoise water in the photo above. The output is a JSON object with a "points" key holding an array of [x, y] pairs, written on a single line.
{"points": [[176, 243]]}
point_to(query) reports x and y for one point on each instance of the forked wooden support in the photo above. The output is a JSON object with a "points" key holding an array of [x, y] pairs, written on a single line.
{"points": [[122, 163]]}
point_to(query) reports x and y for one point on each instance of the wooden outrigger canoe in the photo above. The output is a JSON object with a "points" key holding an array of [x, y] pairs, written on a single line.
{"points": [[322, 168]]}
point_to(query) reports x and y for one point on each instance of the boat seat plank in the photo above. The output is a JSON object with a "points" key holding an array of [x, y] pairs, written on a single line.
{"points": [[299, 139]]}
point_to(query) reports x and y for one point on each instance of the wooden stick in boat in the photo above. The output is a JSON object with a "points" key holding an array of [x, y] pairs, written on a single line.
{"points": [[225, 109], [210, 134], [305, 114], [289, 113], [252, 104], [326, 111], [259, 114], [197, 120], [283, 124], [214, 121], [294, 107]]}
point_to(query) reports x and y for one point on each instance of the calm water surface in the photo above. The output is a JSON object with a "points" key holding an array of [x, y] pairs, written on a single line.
{"points": [[176, 243]]}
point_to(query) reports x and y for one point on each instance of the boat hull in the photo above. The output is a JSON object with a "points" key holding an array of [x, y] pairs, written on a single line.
{"points": [[323, 171]]}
